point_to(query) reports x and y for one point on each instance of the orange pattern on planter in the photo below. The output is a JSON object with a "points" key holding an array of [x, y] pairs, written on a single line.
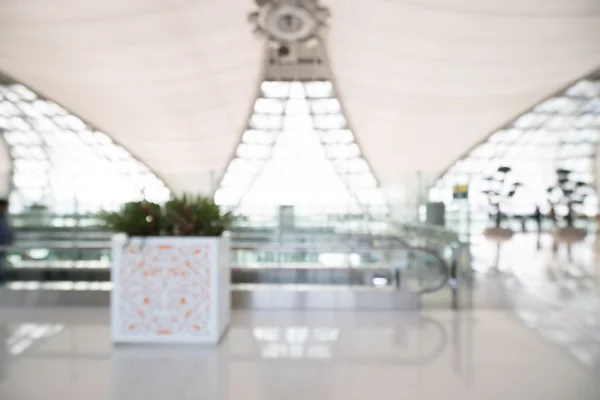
{"points": [[165, 290]]}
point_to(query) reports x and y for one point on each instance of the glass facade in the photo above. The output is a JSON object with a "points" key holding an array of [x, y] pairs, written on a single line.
{"points": [[63, 164], [298, 151], [561, 132]]}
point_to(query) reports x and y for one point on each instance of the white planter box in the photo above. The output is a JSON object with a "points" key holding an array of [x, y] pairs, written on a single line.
{"points": [[170, 289]]}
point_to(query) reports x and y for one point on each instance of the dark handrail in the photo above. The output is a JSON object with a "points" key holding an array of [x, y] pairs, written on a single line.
{"points": [[444, 270]]}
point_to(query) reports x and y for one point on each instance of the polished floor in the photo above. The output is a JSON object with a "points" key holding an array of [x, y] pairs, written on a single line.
{"points": [[66, 354], [528, 329], [528, 273]]}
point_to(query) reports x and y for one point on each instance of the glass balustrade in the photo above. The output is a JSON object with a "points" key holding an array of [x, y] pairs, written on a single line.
{"points": [[76, 248]]}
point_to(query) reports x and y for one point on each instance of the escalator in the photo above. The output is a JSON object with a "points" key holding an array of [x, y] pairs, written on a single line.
{"points": [[59, 259]]}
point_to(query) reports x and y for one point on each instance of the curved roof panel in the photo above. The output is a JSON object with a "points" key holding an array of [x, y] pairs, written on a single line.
{"points": [[172, 81], [423, 81]]}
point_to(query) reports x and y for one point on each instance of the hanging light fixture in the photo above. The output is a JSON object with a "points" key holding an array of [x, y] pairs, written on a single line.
{"points": [[290, 22]]}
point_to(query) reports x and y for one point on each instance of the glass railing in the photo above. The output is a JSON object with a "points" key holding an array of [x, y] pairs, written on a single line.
{"points": [[412, 269], [413, 257]]}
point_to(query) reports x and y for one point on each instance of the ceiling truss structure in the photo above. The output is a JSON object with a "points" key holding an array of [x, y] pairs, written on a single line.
{"points": [[174, 81], [562, 132], [62, 163], [298, 149]]}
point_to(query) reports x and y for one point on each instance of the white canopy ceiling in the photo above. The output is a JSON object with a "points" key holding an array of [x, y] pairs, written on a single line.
{"points": [[174, 81], [425, 80]]}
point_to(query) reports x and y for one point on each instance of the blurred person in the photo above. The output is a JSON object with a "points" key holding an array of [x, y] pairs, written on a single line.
{"points": [[552, 216], [570, 217], [6, 238], [554, 219], [537, 216], [539, 219]]}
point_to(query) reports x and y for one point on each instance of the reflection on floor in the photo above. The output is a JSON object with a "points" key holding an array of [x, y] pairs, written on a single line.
{"points": [[66, 354], [553, 291], [533, 332]]}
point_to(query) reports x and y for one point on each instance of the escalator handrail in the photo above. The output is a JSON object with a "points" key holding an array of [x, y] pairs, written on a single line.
{"points": [[248, 245], [443, 267]]}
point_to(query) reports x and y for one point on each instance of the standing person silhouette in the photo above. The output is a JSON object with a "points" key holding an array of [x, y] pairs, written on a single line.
{"points": [[552, 216], [537, 216], [6, 238]]}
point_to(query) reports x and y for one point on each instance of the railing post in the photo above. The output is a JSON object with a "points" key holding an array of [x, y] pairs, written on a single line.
{"points": [[454, 284]]}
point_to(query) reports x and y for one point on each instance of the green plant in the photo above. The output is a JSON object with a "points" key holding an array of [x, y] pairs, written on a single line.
{"points": [[138, 218], [190, 215], [185, 215], [38, 207]]}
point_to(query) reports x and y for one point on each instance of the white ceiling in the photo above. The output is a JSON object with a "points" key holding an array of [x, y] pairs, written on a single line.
{"points": [[422, 80], [171, 80], [425, 80]]}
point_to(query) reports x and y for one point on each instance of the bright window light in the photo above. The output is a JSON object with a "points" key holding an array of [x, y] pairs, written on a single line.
{"points": [[561, 132], [299, 152], [64, 164]]}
